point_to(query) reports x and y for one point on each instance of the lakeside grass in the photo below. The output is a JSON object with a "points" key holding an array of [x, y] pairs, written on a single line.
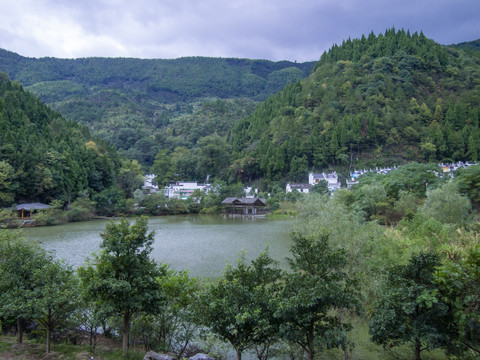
{"points": [[33, 349], [363, 349]]}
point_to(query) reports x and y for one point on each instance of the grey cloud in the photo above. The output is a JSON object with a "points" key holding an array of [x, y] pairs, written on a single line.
{"points": [[270, 29]]}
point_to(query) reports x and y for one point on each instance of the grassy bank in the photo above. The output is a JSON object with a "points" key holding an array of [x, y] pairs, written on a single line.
{"points": [[360, 348], [34, 350]]}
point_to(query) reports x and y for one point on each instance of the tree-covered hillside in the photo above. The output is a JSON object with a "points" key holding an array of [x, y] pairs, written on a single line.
{"points": [[471, 45], [43, 156], [165, 81], [142, 106], [378, 100]]}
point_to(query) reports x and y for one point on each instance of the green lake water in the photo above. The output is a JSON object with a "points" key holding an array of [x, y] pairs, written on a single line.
{"points": [[202, 244]]}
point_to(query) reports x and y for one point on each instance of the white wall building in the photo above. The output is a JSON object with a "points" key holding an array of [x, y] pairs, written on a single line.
{"points": [[330, 178], [148, 186], [183, 189], [303, 188], [250, 192]]}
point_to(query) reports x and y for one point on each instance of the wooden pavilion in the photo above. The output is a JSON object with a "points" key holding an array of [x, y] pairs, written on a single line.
{"points": [[25, 211], [244, 206]]}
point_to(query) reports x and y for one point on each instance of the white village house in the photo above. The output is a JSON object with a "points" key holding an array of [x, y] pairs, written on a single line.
{"points": [[331, 178], [149, 187], [303, 188], [355, 174], [183, 190]]}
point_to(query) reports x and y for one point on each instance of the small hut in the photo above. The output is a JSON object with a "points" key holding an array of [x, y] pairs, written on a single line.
{"points": [[26, 210], [244, 206]]}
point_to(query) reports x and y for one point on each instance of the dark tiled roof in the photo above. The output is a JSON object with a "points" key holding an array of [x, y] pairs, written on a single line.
{"points": [[229, 200], [244, 201], [300, 186], [32, 206]]}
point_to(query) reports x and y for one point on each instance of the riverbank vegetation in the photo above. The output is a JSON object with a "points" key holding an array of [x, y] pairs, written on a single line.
{"points": [[390, 276]]}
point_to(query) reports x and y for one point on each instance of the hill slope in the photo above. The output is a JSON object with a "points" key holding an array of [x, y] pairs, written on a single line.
{"points": [[470, 45], [378, 100], [43, 156]]}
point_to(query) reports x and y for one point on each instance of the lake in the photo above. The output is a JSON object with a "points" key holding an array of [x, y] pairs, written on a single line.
{"points": [[200, 243]]}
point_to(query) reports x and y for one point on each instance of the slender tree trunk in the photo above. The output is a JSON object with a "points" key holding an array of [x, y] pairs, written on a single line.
{"points": [[126, 330], [19, 330], [311, 353], [48, 340], [49, 326], [182, 350], [260, 352], [417, 349], [239, 354]]}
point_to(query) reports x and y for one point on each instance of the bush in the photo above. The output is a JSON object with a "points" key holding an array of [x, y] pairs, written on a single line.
{"points": [[50, 217], [81, 209]]}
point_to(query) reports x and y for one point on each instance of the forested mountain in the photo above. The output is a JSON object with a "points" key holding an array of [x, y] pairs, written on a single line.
{"points": [[373, 101], [472, 45], [45, 157], [378, 100], [142, 106]]}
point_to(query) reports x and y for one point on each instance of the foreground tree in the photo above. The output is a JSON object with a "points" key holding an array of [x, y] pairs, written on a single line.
{"points": [[239, 308], [55, 295], [459, 282], [18, 261], [124, 277], [409, 310], [33, 285], [316, 288], [172, 329]]}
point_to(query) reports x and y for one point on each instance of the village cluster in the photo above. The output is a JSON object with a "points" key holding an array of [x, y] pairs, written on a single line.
{"points": [[251, 202], [184, 189]]}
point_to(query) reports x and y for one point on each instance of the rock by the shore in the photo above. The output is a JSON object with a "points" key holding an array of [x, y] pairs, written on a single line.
{"points": [[201, 356], [152, 355]]}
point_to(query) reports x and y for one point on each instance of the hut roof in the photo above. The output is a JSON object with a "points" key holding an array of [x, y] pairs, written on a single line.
{"points": [[32, 206], [244, 201]]}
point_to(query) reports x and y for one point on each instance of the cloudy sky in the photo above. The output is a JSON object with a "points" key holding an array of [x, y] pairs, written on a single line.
{"points": [[258, 29]]}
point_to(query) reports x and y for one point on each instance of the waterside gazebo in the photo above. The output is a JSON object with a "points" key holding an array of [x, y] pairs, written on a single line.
{"points": [[26, 210], [244, 206]]}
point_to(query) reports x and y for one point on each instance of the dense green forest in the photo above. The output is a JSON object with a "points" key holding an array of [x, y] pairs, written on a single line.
{"points": [[45, 157], [141, 106], [374, 101], [380, 100]]}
